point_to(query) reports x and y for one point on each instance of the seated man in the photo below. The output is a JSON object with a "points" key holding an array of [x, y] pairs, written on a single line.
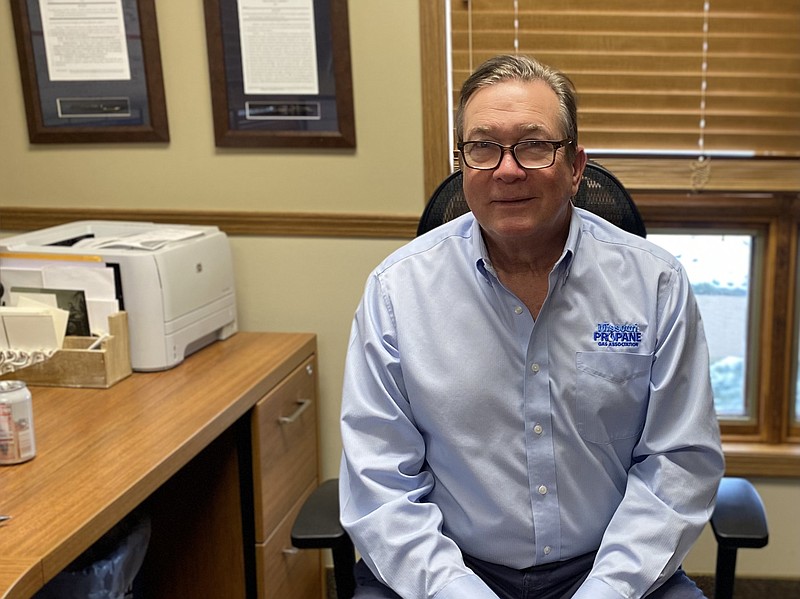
{"points": [[527, 409]]}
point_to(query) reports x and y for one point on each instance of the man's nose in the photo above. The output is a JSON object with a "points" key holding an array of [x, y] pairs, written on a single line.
{"points": [[509, 167]]}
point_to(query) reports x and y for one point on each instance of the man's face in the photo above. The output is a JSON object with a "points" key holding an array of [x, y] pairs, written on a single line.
{"points": [[513, 204]]}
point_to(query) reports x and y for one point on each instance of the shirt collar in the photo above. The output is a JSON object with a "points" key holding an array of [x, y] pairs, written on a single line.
{"points": [[484, 265], [480, 254]]}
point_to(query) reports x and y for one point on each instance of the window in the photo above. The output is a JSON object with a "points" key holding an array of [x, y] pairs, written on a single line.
{"points": [[719, 266], [661, 84], [795, 415]]}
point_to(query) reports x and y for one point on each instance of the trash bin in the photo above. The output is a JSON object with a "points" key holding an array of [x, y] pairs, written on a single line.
{"points": [[107, 569]]}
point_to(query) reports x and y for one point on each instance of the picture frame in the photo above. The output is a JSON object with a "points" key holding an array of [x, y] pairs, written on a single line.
{"points": [[280, 73], [91, 72]]}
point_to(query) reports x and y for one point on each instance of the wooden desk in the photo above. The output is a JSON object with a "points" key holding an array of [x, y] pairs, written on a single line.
{"points": [[176, 442]]}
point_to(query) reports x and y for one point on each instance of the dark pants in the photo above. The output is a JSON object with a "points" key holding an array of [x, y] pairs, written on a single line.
{"points": [[551, 581]]}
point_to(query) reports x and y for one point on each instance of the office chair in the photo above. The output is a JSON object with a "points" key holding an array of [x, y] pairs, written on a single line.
{"points": [[599, 192], [739, 519]]}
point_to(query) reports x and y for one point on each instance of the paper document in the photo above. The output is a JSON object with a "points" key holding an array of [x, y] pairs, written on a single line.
{"points": [[32, 329], [60, 317], [85, 41], [151, 240], [71, 300], [96, 283], [279, 47]]}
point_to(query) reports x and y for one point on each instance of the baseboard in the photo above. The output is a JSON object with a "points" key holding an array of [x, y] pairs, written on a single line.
{"points": [[754, 588]]}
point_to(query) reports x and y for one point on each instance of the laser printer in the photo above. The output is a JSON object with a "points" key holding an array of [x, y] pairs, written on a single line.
{"points": [[174, 281]]}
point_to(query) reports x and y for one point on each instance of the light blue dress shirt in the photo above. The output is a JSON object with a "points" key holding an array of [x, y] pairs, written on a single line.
{"points": [[467, 426]]}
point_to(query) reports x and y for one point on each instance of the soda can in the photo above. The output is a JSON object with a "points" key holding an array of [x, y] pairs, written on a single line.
{"points": [[17, 443]]}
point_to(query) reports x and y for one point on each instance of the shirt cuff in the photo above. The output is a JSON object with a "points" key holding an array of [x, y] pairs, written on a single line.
{"points": [[595, 588], [469, 585]]}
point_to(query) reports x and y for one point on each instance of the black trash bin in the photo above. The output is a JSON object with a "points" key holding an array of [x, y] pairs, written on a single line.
{"points": [[107, 569]]}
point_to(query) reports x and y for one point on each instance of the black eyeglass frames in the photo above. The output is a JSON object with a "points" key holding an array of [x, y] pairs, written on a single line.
{"points": [[529, 154]]}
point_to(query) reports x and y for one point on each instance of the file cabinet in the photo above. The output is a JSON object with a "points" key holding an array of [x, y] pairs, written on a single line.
{"points": [[285, 471]]}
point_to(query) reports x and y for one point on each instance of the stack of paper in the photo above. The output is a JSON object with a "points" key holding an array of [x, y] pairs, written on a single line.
{"points": [[87, 290], [32, 327], [149, 240]]}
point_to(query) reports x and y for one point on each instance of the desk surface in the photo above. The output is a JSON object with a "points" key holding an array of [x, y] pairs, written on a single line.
{"points": [[101, 452]]}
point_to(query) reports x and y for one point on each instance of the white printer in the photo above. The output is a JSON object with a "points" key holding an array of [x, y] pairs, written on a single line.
{"points": [[175, 281]]}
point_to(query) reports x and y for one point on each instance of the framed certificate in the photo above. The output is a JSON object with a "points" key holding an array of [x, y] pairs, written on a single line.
{"points": [[280, 73], [91, 71]]}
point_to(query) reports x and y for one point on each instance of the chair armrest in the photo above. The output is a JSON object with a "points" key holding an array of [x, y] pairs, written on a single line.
{"points": [[739, 519], [317, 525]]}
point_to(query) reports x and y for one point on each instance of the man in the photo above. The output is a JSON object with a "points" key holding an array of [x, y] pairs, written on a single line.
{"points": [[527, 409]]}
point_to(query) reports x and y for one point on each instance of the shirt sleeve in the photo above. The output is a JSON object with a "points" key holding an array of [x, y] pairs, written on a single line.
{"points": [[677, 463], [470, 586], [383, 479]]}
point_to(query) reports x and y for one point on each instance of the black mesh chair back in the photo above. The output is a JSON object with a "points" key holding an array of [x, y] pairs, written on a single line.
{"points": [[446, 203], [600, 192]]}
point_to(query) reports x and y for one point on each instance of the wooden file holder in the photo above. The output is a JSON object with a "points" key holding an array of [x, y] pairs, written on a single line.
{"points": [[77, 366]]}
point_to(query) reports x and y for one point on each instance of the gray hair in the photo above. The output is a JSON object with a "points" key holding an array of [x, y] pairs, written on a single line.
{"points": [[522, 68]]}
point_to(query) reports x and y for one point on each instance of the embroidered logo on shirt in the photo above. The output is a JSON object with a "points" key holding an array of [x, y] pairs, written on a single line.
{"points": [[617, 335]]}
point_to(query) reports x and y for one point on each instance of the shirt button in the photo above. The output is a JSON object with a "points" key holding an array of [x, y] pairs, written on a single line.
{"points": [[518, 310], [547, 550], [535, 368], [538, 429], [542, 490]]}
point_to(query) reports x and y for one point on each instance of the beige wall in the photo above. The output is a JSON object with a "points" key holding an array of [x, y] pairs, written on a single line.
{"points": [[190, 173], [289, 284]]}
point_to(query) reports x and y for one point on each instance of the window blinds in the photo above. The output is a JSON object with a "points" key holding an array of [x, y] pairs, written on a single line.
{"points": [[671, 77]]}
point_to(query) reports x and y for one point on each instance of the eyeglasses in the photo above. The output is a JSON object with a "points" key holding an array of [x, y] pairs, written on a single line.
{"points": [[529, 154]]}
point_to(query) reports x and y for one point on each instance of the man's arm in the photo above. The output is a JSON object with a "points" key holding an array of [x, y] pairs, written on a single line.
{"points": [[677, 463], [383, 481]]}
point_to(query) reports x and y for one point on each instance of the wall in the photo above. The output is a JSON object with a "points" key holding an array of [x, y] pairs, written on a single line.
{"points": [[189, 173], [291, 284], [275, 276]]}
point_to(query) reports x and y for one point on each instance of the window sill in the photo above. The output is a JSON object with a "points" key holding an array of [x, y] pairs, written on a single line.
{"points": [[761, 459]]}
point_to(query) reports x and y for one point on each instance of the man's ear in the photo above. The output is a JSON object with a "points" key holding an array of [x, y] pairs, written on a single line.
{"points": [[578, 164]]}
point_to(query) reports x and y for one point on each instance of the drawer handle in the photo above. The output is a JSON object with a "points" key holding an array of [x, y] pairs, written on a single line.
{"points": [[302, 407], [290, 551]]}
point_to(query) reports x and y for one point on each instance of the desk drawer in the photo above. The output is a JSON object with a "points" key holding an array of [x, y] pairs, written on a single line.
{"points": [[284, 447], [283, 571]]}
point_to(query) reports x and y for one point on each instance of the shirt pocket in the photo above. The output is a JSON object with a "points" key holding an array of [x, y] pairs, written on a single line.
{"points": [[611, 395]]}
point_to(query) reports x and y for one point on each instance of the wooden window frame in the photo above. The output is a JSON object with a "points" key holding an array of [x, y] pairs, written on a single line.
{"points": [[771, 446]]}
